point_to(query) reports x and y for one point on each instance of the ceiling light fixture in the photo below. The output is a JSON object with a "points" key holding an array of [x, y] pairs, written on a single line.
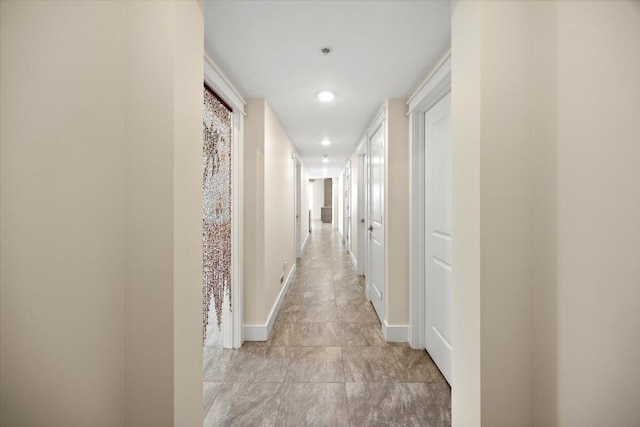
{"points": [[325, 142], [325, 158], [326, 96]]}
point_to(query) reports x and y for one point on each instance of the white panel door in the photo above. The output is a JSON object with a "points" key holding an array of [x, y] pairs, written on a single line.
{"points": [[439, 304], [376, 221]]}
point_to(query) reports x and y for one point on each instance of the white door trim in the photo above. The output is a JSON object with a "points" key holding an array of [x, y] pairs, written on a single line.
{"points": [[437, 85], [232, 319], [297, 206], [361, 208], [377, 124]]}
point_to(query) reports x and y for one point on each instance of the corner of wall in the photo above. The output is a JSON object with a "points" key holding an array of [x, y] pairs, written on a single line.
{"points": [[397, 212]]}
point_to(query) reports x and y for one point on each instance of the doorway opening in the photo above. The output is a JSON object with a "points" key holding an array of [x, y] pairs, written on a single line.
{"points": [[216, 214]]}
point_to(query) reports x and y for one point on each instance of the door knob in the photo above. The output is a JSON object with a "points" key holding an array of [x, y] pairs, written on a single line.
{"points": [[371, 228], [362, 220]]}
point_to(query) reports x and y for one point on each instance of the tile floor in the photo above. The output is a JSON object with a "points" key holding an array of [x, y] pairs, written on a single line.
{"points": [[326, 362]]}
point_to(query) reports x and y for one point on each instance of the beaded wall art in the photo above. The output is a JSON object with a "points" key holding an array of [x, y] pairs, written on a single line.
{"points": [[216, 201]]}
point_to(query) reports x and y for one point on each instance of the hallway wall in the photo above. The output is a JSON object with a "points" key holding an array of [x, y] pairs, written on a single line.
{"points": [[587, 270], [396, 203], [318, 197], [101, 152], [269, 211], [546, 213]]}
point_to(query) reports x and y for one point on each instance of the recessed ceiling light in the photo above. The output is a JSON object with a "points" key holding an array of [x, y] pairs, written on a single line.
{"points": [[325, 142], [326, 96], [325, 160]]}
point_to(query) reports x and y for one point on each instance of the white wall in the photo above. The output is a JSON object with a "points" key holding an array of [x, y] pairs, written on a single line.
{"points": [[318, 197], [546, 213], [90, 139]]}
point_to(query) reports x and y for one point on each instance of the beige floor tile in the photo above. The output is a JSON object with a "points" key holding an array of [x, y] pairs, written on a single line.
{"points": [[250, 364], [315, 364], [417, 366], [371, 364], [209, 393], [326, 333], [353, 296], [361, 334], [306, 334], [399, 404], [307, 313], [357, 313], [245, 404], [313, 404]]}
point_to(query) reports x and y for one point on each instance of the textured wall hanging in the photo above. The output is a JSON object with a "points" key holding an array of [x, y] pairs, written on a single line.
{"points": [[216, 201]]}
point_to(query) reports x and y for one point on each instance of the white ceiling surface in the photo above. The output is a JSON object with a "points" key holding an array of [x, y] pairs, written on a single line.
{"points": [[381, 49]]}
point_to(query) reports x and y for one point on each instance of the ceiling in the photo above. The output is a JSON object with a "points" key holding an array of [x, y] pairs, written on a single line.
{"points": [[380, 49]]}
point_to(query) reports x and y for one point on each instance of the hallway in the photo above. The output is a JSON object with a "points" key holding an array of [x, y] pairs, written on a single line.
{"points": [[326, 361]]}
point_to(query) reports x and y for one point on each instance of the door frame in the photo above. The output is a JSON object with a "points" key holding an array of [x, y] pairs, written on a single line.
{"points": [[377, 123], [232, 316], [361, 208], [436, 86], [346, 206], [297, 207]]}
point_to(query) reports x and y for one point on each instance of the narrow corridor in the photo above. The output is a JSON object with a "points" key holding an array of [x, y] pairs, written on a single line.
{"points": [[326, 362]]}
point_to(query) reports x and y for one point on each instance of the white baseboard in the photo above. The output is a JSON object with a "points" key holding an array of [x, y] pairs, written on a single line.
{"points": [[395, 333], [306, 240], [261, 332], [254, 333], [353, 261]]}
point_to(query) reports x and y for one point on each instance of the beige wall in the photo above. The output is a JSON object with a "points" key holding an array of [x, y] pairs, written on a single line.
{"points": [[546, 213], [396, 203], [279, 187], [187, 213], [62, 217], [465, 156], [588, 298], [269, 214], [254, 311], [101, 120]]}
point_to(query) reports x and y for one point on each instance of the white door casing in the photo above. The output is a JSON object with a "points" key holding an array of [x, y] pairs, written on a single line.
{"points": [[232, 316], [432, 90], [297, 203], [438, 238], [376, 221], [362, 211], [346, 206]]}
